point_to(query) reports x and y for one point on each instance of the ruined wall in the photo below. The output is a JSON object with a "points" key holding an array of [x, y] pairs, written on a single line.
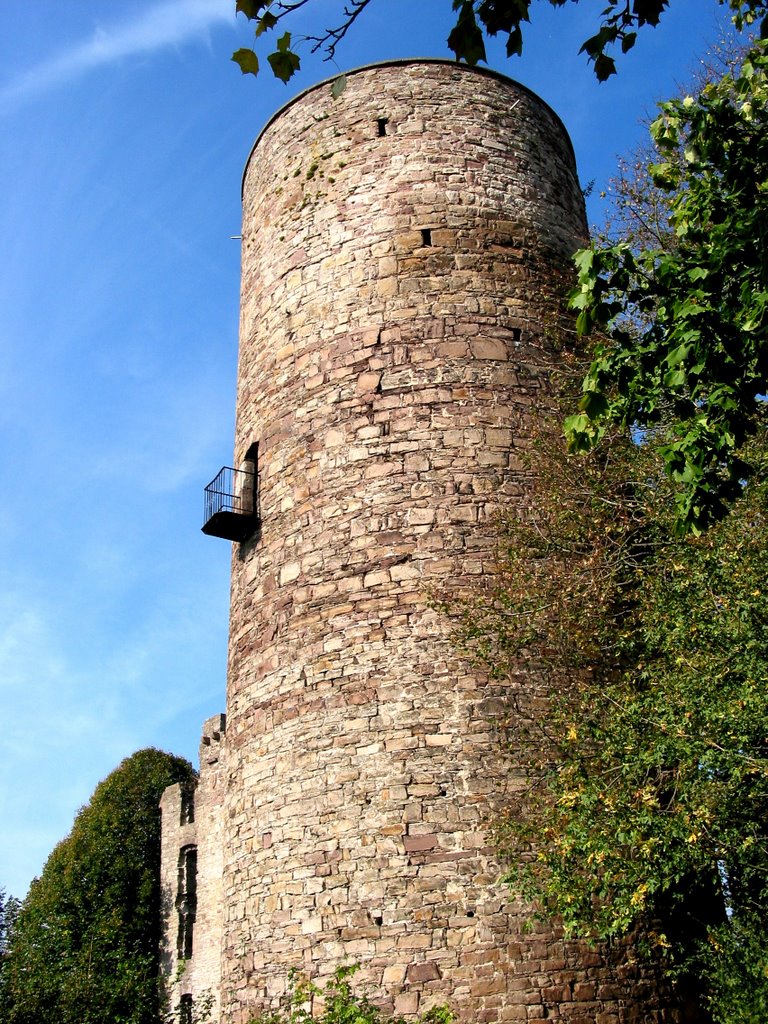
{"points": [[404, 247], [192, 821]]}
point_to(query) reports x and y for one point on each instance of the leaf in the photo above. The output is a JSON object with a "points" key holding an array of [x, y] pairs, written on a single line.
{"points": [[604, 67], [251, 8], [664, 176], [584, 258], [266, 22], [584, 322], [284, 62], [675, 378], [338, 87], [698, 273], [466, 39], [595, 45], [580, 433], [594, 404], [515, 43], [247, 61], [648, 11], [502, 15], [677, 355]]}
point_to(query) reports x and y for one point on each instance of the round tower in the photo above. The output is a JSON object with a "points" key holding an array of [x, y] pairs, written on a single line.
{"points": [[406, 240]]}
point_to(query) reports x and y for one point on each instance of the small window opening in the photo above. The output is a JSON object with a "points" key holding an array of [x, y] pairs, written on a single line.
{"points": [[381, 124], [516, 334], [186, 1009], [249, 467], [187, 815], [426, 236], [186, 900]]}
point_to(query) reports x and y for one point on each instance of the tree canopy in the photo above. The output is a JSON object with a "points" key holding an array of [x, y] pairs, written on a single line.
{"points": [[684, 352], [646, 796], [616, 26], [84, 947]]}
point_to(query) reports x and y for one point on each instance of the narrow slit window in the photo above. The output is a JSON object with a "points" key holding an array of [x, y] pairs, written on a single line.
{"points": [[186, 900], [426, 236], [381, 126], [187, 815]]}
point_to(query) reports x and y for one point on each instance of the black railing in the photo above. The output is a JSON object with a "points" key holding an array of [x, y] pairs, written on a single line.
{"points": [[231, 501]]}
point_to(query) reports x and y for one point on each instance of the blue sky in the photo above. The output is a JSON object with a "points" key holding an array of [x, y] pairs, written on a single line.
{"points": [[124, 129]]}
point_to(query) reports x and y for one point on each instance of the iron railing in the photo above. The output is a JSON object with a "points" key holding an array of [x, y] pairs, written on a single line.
{"points": [[231, 504]]}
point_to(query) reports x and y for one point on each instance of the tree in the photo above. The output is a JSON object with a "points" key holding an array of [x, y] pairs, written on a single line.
{"points": [[646, 800], [645, 803], [84, 947], [9, 908], [684, 355], [618, 26]]}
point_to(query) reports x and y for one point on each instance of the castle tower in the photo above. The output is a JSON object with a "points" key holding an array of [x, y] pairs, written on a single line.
{"points": [[405, 245]]}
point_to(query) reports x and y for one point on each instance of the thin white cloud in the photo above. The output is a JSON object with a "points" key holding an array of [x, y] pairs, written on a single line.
{"points": [[168, 23]]}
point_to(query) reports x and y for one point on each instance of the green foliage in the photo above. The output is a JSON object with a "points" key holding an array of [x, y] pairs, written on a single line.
{"points": [[246, 60], [84, 947], [646, 801], [618, 27], [283, 61], [685, 342], [306, 1003], [645, 807], [9, 910]]}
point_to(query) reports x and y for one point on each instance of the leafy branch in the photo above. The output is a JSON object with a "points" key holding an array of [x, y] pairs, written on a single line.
{"points": [[684, 326], [619, 24]]}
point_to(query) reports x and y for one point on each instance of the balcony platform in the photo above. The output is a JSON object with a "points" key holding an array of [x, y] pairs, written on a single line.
{"points": [[231, 507]]}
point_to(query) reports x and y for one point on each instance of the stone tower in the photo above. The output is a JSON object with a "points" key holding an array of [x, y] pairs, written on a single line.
{"points": [[405, 243]]}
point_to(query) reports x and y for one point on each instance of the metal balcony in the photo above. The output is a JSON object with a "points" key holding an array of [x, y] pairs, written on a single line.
{"points": [[231, 505]]}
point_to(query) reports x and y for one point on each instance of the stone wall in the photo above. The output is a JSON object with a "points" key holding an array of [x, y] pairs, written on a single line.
{"points": [[405, 247], [192, 821]]}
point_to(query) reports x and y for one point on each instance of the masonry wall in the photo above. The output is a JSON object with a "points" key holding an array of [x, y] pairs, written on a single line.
{"points": [[405, 247], [194, 822]]}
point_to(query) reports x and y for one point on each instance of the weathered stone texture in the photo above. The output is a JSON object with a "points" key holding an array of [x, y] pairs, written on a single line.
{"points": [[405, 247], [200, 975]]}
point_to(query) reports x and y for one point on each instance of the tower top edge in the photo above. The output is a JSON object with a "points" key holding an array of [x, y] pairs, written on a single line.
{"points": [[455, 65]]}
